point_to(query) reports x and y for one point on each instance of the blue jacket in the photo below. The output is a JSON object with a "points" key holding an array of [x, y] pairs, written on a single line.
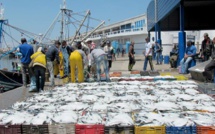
{"points": [[191, 50], [26, 50]]}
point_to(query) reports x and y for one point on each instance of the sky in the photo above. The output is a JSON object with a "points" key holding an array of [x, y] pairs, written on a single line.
{"points": [[36, 16]]}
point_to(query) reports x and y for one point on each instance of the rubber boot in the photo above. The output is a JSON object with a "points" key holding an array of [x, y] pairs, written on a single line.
{"points": [[129, 67], [132, 66]]}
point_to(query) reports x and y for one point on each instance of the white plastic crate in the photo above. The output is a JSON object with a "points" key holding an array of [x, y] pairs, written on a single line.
{"points": [[62, 129]]}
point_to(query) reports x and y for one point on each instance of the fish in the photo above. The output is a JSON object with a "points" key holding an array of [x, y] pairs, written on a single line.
{"points": [[120, 119], [65, 117], [90, 118], [167, 106]]}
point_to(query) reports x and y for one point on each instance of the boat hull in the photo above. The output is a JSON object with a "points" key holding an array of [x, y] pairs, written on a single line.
{"points": [[11, 79]]}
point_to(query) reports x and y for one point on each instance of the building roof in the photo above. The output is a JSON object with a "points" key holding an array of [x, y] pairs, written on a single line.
{"points": [[197, 15]]}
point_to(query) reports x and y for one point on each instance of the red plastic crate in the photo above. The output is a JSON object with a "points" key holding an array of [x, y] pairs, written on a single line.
{"points": [[117, 73], [10, 129], [205, 130], [135, 72], [89, 129]]}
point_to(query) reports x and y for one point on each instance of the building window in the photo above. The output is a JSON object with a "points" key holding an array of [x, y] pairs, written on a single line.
{"points": [[128, 26], [123, 27]]}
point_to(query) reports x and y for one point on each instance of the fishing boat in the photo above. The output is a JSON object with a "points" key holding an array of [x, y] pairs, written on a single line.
{"points": [[79, 23], [9, 78]]}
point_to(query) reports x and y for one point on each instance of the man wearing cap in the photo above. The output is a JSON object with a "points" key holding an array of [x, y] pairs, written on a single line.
{"points": [[51, 55], [148, 55], [77, 61], [109, 51], [190, 52], [207, 47], [88, 42]]}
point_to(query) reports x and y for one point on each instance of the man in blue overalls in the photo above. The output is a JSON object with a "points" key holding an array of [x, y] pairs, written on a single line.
{"points": [[66, 51]]}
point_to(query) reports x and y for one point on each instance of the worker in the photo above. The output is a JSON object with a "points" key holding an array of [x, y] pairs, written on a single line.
{"points": [[77, 61], [99, 57]]}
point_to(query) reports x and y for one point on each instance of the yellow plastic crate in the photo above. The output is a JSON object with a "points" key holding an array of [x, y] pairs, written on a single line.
{"points": [[181, 77], [150, 130], [165, 74], [66, 80]]}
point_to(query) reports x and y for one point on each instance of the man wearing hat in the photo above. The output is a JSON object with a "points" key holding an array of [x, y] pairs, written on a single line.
{"points": [[77, 61], [109, 51], [207, 47]]}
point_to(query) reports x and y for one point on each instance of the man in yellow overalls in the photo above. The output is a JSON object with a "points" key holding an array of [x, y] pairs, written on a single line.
{"points": [[77, 61]]}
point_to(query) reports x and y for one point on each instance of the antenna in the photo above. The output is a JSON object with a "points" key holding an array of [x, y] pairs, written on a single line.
{"points": [[64, 4], [1, 12]]}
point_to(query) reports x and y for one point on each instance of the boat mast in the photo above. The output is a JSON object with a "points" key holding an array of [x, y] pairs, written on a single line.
{"points": [[2, 21], [63, 10]]}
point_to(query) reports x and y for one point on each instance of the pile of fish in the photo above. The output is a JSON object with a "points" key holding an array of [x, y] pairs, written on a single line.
{"points": [[124, 103]]}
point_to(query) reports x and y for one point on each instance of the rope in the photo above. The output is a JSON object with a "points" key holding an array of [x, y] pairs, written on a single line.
{"points": [[10, 79]]}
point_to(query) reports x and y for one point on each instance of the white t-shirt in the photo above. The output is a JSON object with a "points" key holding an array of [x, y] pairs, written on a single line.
{"points": [[148, 46]]}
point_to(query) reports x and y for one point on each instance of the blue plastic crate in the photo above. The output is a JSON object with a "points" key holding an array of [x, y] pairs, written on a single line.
{"points": [[181, 130]]}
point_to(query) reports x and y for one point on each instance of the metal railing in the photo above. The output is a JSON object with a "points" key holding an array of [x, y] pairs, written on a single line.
{"points": [[119, 32]]}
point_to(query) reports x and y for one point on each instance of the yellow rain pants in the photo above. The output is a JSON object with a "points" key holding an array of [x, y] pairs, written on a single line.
{"points": [[56, 68], [76, 63], [61, 64]]}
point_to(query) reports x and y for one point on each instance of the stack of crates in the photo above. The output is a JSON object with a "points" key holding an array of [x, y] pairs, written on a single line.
{"points": [[165, 74], [181, 130], [61, 129], [205, 130], [144, 73], [35, 129], [119, 130], [154, 73], [181, 77], [10, 129], [150, 130], [116, 74], [135, 72], [89, 129]]}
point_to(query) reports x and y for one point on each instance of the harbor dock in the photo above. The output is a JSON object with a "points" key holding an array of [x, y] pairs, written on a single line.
{"points": [[8, 98]]}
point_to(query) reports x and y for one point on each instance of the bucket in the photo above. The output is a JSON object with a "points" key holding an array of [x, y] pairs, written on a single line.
{"points": [[166, 59], [161, 59]]}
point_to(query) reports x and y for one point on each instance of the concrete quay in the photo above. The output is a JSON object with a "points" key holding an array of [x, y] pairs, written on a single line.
{"points": [[8, 98]]}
